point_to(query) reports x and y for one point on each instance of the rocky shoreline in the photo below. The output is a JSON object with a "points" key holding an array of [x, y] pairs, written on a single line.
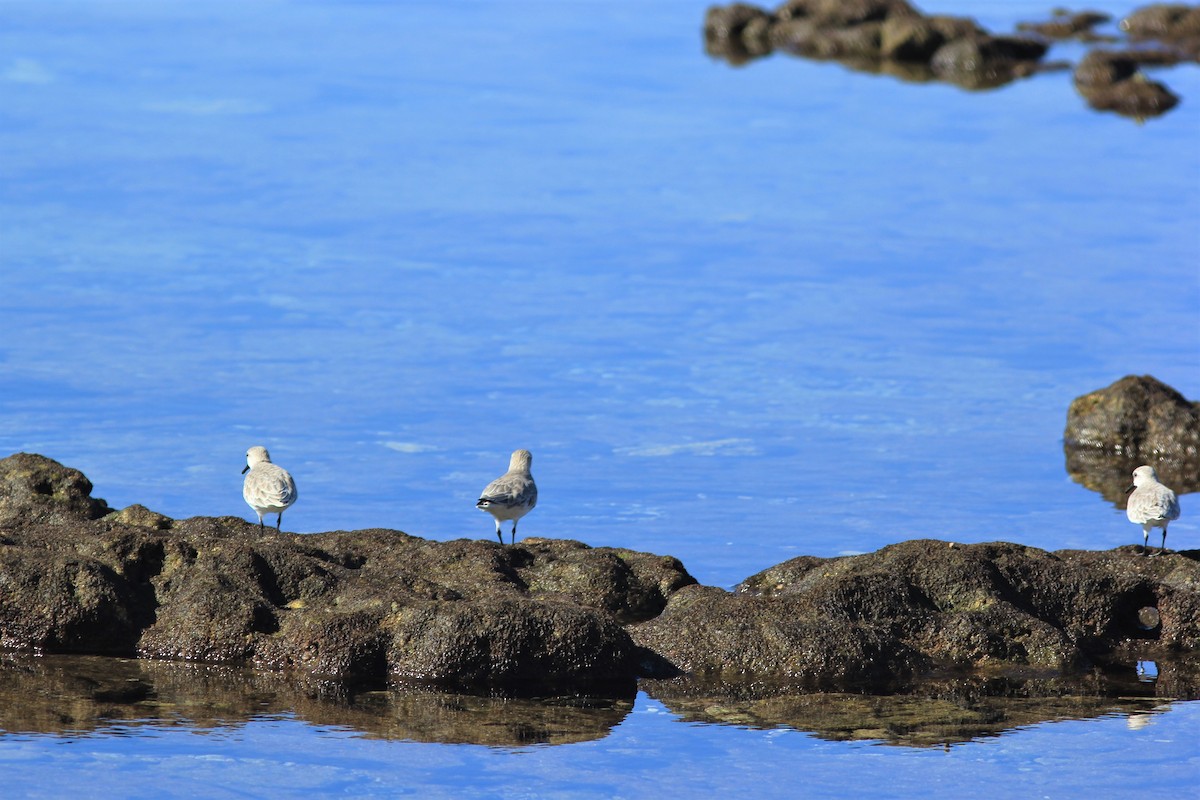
{"points": [[557, 617]]}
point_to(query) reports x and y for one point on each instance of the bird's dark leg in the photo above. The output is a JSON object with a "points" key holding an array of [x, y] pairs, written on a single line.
{"points": [[499, 533], [514, 533], [1145, 540], [279, 520], [1163, 549]]}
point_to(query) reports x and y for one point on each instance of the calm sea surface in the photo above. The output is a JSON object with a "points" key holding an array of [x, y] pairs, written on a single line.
{"points": [[737, 314]]}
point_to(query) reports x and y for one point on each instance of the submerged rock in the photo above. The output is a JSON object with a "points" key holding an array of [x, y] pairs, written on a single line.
{"points": [[1136, 420]]}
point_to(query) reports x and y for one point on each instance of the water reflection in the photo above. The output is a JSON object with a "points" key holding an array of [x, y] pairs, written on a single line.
{"points": [[83, 695], [70, 695], [1109, 474], [939, 712]]}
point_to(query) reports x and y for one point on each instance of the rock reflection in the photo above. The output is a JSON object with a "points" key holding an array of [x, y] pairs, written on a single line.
{"points": [[938, 712], [77, 695]]}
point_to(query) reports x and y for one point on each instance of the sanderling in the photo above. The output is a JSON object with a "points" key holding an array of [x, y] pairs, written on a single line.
{"points": [[268, 488], [1151, 505], [512, 495]]}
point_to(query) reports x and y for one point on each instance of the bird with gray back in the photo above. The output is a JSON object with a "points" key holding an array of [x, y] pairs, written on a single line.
{"points": [[268, 488], [1151, 504], [512, 495]]}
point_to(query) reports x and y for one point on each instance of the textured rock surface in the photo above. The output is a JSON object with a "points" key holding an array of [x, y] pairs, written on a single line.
{"points": [[549, 617], [541, 617], [886, 617], [893, 37]]}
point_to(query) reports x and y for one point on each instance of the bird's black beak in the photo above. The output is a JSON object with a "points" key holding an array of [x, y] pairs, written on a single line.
{"points": [[245, 469], [1132, 486]]}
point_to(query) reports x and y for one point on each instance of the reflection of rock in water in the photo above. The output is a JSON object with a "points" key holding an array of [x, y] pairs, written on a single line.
{"points": [[935, 712], [1135, 421], [80, 694], [893, 37]]}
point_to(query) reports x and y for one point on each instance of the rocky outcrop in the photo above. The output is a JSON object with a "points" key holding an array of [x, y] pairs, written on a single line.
{"points": [[542, 617], [1113, 81], [882, 619], [874, 35], [895, 38], [551, 617], [1137, 420]]}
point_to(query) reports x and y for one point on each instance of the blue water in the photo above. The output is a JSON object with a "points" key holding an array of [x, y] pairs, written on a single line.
{"points": [[651, 754], [737, 314]]}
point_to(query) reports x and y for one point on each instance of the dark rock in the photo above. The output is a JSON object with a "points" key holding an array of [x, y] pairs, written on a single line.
{"points": [[981, 62], [141, 516], [1067, 25], [711, 633], [886, 617], [738, 32], [37, 489], [844, 13], [909, 39], [892, 37], [544, 616], [555, 616], [1137, 420], [1112, 81], [1164, 21]]}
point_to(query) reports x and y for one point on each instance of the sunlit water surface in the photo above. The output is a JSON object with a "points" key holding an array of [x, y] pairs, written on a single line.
{"points": [[738, 315]]}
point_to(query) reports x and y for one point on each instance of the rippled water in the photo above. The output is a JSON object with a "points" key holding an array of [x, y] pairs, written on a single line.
{"points": [[737, 314]]}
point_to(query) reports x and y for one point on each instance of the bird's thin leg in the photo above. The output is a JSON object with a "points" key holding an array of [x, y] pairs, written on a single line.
{"points": [[279, 520], [1163, 549], [514, 533], [499, 533], [1145, 539]]}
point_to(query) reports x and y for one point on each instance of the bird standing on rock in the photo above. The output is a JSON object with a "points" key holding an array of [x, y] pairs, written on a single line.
{"points": [[268, 488], [1151, 505], [512, 495]]}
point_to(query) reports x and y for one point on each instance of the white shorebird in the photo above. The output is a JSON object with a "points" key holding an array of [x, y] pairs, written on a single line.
{"points": [[1151, 505], [268, 488], [512, 495]]}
